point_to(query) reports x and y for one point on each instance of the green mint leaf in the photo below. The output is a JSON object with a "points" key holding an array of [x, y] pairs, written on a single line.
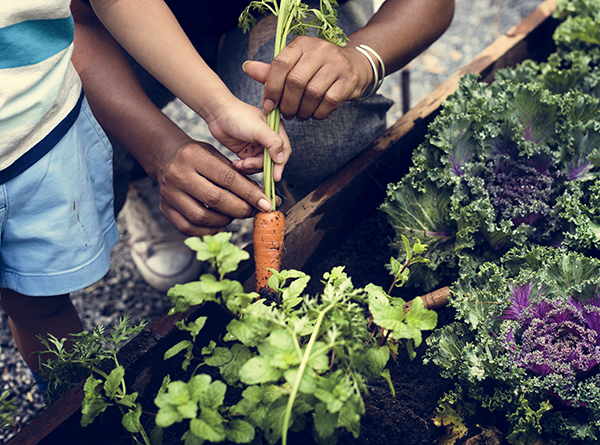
{"points": [[207, 350], [93, 404], [113, 382], [197, 385], [156, 436], [388, 378], [174, 350], [254, 326], [196, 326], [384, 314], [395, 265], [230, 371], [213, 396], [131, 420], [175, 404], [351, 413], [325, 422], [259, 370], [376, 359], [240, 431], [308, 382], [421, 318], [189, 438], [129, 400], [410, 348], [273, 422], [187, 295], [209, 426]]}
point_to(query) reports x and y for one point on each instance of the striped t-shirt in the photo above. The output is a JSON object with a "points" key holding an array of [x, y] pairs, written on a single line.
{"points": [[40, 91]]}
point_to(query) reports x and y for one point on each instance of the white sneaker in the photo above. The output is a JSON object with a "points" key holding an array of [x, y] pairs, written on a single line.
{"points": [[157, 248]]}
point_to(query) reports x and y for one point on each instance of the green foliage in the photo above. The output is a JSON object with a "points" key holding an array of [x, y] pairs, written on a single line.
{"points": [[8, 411], [65, 367], [299, 19], [481, 352], [509, 164], [299, 357], [89, 356]]}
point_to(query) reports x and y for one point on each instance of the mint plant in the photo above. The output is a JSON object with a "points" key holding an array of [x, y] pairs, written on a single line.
{"points": [[297, 358]]}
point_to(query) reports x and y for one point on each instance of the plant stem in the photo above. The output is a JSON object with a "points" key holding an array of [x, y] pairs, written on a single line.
{"points": [[301, 368], [283, 26]]}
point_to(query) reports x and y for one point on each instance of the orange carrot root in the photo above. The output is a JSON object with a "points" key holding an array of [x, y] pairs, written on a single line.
{"points": [[269, 230]]}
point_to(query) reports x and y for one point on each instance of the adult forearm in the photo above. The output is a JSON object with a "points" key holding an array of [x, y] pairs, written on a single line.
{"points": [[402, 29], [117, 98]]}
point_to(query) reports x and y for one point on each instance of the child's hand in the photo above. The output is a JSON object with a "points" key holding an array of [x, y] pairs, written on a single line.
{"points": [[243, 129]]}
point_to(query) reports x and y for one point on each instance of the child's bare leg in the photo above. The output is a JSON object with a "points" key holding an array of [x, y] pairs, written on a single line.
{"points": [[33, 316]]}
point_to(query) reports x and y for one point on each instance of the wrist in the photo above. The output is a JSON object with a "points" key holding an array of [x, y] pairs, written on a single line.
{"points": [[378, 69]]}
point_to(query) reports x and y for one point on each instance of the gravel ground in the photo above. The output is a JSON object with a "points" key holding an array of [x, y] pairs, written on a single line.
{"points": [[476, 24]]}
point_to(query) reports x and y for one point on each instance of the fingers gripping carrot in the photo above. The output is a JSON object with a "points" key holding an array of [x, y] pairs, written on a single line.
{"points": [[269, 230]]}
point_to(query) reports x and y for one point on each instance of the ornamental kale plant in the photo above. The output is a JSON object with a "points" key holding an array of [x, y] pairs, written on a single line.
{"points": [[299, 360], [508, 164], [527, 345]]}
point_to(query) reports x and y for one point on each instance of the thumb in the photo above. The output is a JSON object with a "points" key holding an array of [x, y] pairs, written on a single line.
{"points": [[257, 70], [278, 145]]}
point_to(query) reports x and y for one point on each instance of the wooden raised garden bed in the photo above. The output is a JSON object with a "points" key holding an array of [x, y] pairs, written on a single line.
{"points": [[317, 226]]}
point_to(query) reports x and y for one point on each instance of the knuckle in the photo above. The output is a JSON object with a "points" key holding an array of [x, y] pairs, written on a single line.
{"points": [[281, 62], [212, 198], [227, 178], [186, 229], [295, 81], [313, 92], [331, 100], [196, 218]]}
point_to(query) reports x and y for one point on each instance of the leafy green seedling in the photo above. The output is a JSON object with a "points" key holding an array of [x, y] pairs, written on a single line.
{"points": [[90, 351], [297, 354]]}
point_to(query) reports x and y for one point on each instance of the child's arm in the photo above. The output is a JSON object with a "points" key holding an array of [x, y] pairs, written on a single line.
{"points": [[151, 34]]}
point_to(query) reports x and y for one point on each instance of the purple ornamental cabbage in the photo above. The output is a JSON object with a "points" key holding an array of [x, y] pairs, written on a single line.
{"points": [[553, 337]]}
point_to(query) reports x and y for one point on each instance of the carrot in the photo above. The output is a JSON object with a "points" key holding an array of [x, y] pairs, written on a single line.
{"points": [[269, 230], [434, 300]]}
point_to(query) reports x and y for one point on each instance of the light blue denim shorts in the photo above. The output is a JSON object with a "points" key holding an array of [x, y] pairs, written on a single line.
{"points": [[57, 222]]}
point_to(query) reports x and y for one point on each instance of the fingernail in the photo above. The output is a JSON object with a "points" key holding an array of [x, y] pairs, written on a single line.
{"points": [[269, 105], [264, 205], [244, 65], [280, 157]]}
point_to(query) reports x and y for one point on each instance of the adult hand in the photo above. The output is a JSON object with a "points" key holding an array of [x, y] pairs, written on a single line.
{"points": [[200, 191], [311, 77]]}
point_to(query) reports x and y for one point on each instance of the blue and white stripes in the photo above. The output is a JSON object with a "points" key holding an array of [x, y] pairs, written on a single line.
{"points": [[38, 84]]}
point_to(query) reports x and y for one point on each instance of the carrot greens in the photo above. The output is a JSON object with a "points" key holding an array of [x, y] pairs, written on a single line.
{"points": [[295, 18]]}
